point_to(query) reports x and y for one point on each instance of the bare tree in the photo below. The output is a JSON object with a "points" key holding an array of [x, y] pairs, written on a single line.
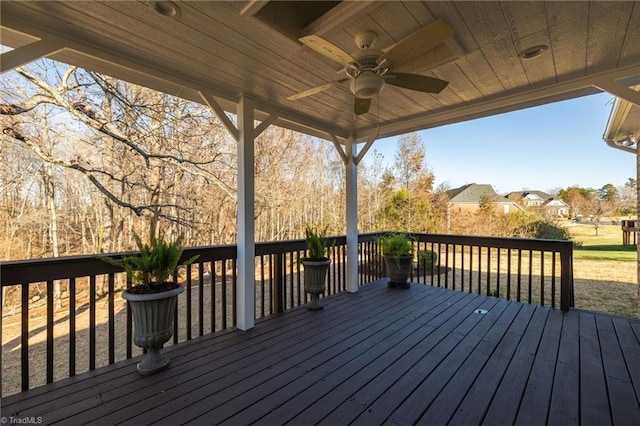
{"points": [[151, 134]]}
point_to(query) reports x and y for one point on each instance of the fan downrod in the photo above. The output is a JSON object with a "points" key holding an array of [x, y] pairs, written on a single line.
{"points": [[365, 39]]}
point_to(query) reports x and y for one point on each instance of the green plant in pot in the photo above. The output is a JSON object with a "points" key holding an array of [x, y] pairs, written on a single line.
{"points": [[316, 264], [153, 297], [398, 258]]}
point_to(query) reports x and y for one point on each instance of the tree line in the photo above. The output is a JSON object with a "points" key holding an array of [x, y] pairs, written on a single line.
{"points": [[88, 160]]}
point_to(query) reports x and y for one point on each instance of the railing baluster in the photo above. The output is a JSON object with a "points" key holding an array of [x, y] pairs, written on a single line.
{"points": [[112, 331], [553, 280], [453, 267], [234, 283], [278, 288], [189, 296], [175, 314], [223, 295], [298, 279], [24, 338], [488, 271], [261, 310], [509, 274], [542, 278], [530, 274], [200, 299], [50, 331], [479, 270], [470, 269], [462, 248], [519, 274], [92, 323], [212, 290], [498, 272], [129, 330], [72, 327], [291, 278]]}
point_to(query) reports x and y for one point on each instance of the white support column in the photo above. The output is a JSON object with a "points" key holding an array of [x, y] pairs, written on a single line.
{"points": [[352, 215], [245, 295]]}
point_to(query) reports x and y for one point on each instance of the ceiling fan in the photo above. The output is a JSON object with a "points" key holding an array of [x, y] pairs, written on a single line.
{"points": [[369, 69]]}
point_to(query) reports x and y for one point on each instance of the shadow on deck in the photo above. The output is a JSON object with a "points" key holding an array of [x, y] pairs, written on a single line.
{"points": [[420, 356]]}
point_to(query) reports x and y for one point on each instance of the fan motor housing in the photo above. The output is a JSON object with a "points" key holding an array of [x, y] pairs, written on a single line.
{"points": [[367, 85]]}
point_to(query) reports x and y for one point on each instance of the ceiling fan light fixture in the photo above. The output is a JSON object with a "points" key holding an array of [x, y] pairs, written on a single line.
{"points": [[533, 52], [367, 85]]}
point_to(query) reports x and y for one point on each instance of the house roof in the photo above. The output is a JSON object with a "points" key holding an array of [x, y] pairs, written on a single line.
{"points": [[474, 193], [524, 194], [224, 51], [548, 199]]}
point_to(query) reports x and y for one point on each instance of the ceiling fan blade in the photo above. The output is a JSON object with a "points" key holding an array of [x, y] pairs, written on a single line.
{"points": [[314, 90], [419, 42], [327, 49], [421, 83], [361, 106]]}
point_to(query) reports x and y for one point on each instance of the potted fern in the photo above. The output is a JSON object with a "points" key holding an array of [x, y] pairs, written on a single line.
{"points": [[398, 258], [316, 264], [153, 297]]}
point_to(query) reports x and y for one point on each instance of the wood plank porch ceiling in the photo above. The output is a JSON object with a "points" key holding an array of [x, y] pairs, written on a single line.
{"points": [[211, 45], [421, 356]]}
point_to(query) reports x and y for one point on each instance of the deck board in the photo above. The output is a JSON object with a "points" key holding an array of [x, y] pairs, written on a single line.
{"points": [[594, 408], [565, 407], [380, 356]]}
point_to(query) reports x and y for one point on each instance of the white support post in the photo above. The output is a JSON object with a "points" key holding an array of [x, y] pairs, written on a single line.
{"points": [[352, 215], [245, 295]]}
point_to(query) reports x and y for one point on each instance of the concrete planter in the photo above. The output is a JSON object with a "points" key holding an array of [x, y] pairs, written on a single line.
{"points": [[315, 275], [398, 270], [153, 325]]}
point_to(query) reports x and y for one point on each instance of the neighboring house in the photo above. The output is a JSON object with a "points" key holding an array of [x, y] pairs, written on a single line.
{"points": [[471, 197], [545, 203]]}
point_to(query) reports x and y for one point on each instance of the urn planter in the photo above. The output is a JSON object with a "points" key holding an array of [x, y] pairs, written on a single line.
{"points": [[153, 324], [398, 270], [315, 274]]}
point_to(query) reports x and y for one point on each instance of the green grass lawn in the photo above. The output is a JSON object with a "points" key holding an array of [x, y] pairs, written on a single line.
{"points": [[617, 253], [605, 274], [607, 245]]}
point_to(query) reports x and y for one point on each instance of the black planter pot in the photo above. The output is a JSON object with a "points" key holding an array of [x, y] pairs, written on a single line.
{"points": [[315, 275], [398, 270]]}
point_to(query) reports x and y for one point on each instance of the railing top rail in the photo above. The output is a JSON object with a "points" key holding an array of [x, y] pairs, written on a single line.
{"points": [[37, 270], [497, 242], [15, 272]]}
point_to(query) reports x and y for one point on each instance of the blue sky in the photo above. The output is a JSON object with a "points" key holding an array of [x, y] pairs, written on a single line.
{"points": [[555, 145]]}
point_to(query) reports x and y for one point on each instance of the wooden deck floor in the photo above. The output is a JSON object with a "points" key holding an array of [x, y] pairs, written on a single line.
{"points": [[417, 356]]}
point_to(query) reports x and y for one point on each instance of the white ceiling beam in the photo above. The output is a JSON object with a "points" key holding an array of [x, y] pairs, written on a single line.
{"points": [[253, 7], [31, 52], [619, 90], [339, 15]]}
